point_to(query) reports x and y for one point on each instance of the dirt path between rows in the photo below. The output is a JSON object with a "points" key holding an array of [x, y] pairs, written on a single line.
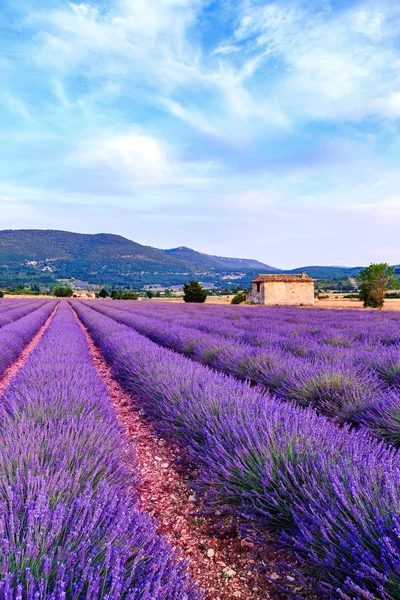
{"points": [[225, 568], [13, 369]]}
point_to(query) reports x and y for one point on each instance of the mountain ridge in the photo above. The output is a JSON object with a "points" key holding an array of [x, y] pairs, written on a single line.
{"points": [[47, 256], [201, 259]]}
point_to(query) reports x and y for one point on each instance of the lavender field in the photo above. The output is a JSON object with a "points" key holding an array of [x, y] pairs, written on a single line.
{"points": [[286, 422]]}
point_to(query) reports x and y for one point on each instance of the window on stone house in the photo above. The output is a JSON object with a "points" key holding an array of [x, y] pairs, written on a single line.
{"points": [[258, 287]]}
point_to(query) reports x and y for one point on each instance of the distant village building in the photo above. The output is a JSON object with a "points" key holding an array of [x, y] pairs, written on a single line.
{"points": [[289, 290], [83, 294]]}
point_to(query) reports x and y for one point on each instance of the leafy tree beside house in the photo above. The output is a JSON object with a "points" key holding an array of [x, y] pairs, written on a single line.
{"points": [[374, 281], [238, 298], [103, 293], [194, 292]]}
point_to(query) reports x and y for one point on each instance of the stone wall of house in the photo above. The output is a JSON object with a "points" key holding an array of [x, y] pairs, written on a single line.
{"points": [[284, 293], [257, 297]]}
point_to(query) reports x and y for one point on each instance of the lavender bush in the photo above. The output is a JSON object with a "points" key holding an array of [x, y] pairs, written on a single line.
{"points": [[70, 527], [330, 494], [16, 335], [22, 309], [7, 304]]}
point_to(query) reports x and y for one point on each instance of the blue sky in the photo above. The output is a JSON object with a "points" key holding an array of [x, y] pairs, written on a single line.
{"points": [[242, 128]]}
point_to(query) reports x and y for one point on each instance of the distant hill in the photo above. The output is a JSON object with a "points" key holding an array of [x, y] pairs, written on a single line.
{"points": [[50, 245], [199, 260], [47, 256], [320, 272]]}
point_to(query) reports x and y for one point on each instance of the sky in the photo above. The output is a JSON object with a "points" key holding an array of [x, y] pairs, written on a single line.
{"points": [[244, 128]]}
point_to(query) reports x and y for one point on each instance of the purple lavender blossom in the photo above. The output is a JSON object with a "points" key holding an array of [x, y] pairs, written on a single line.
{"points": [[70, 526], [329, 493], [17, 334], [22, 309], [334, 375]]}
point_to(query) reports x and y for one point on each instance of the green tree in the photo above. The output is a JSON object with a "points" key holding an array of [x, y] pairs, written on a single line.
{"points": [[120, 295], [62, 291], [1, 294], [103, 293], [168, 294], [238, 298], [149, 294], [374, 281], [194, 292], [35, 288], [128, 296]]}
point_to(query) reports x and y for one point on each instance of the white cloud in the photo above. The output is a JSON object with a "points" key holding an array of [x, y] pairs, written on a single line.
{"points": [[8, 200], [334, 65], [15, 106], [132, 160], [368, 22], [137, 157], [226, 49], [283, 64], [388, 107]]}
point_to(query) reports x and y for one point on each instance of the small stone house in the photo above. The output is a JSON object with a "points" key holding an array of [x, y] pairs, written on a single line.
{"points": [[284, 290]]}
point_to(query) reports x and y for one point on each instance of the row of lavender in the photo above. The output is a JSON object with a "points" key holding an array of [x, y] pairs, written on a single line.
{"points": [[355, 336], [10, 303], [267, 325], [359, 388], [17, 334], [332, 495], [16, 311], [70, 527]]}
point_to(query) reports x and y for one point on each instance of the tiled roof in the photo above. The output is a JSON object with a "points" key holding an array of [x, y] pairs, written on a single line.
{"points": [[282, 277]]}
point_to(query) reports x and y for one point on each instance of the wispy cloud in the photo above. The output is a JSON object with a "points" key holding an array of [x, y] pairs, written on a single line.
{"points": [[215, 118]]}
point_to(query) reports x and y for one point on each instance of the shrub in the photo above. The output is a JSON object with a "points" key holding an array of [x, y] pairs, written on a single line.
{"points": [[333, 389], [62, 291], [194, 292], [1, 294], [124, 296], [239, 298]]}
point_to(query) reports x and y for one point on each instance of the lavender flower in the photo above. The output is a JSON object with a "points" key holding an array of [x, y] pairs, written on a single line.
{"points": [[69, 523], [330, 494]]}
